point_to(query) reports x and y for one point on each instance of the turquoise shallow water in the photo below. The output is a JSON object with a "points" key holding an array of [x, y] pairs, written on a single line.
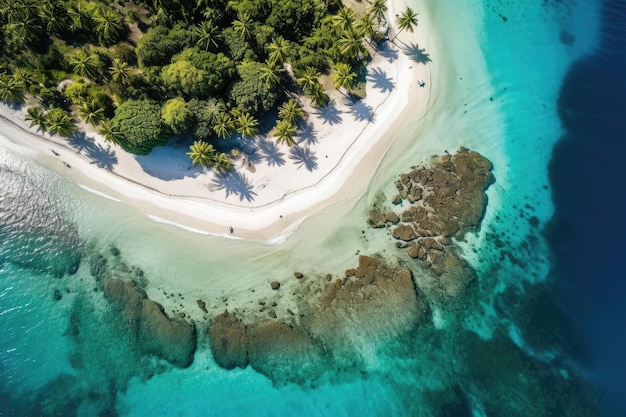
{"points": [[499, 72]]}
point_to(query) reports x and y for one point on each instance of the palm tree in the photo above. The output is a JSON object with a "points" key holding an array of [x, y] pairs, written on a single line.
{"points": [[221, 161], [243, 25], [58, 121], [109, 26], [201, 153], [247, 125], [366, 26], [343, 76], [344, 18], [208, 35], [279, 49], [318, 96], [290, 111], [37, 117], [407, 20], [110, 132], [84, 64], [56, 18], [11, 89], [350, 44], [120, 71], [91, 112], [270, 73], [224, 125], [378, 8], [284, 132], [79, 17], [308, 80]]}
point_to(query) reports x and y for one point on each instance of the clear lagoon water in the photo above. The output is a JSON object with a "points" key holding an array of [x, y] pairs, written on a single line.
{"points": [[528, 85]]}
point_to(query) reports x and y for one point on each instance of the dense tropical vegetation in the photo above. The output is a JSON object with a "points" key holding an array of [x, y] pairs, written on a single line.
{"points": [[141, 71]]}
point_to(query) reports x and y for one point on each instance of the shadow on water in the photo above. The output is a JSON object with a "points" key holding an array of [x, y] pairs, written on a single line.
{"points": [[270, 153], [380, 80], [416, 54], [303, 157], [235, 183]]}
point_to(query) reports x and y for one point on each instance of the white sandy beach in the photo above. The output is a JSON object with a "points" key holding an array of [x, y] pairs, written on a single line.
{"points": [[272, 188]]}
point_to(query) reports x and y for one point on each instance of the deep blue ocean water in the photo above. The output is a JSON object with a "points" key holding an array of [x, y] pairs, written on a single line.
{"points": [[548, 345], [587, 174]]}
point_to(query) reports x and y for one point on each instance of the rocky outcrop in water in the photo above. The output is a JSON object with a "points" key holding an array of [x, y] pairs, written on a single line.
{"points": [[373, 301], [154, 332], [443, 201]]}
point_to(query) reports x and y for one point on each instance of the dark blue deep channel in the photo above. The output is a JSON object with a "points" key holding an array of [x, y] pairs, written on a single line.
{"points": [[588, 232]]}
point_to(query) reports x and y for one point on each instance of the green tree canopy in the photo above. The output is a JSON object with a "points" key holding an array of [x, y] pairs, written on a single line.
{"points": [[177, 115], [184, 78], [140, 126], [251, 93], [220, 70], [159, 44]]}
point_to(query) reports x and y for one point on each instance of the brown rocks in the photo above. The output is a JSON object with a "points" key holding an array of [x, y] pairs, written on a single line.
{"points": [[153, 331], [444, 200], [372, 302], [229, 342], [284, 353], [298, 275], [404, 232], [275, 285]]}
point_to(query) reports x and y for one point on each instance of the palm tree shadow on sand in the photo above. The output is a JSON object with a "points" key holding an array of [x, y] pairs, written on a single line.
{"points": [[390, 54], [307, 135], [99, 155], [102, 157], [270, 153], [361, 111], [235, 183], [416, 54], [380, 80], [329, 114], [304, 157]]}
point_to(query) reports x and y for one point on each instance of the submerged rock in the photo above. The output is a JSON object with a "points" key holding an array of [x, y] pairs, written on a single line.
{"points": [[375, 303], [229, 341], [153, 331], [444, 200]]}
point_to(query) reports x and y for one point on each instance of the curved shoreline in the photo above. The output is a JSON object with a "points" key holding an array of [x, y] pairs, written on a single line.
{"points": [[284, 202]]}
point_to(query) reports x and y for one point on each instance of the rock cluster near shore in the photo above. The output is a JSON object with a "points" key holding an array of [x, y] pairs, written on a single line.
{"points": [[153, 332], [374, 302], [440, 202], [372, 299]]}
